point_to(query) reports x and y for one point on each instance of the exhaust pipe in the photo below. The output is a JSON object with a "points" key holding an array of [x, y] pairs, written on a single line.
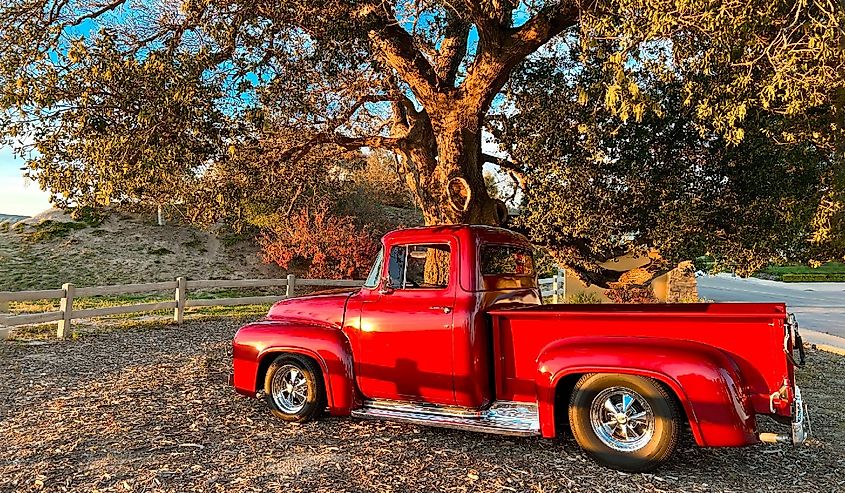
{"points": [[774, 438]]}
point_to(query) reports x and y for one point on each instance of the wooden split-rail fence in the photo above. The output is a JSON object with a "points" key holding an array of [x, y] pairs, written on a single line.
{"points": [[66, 314]]}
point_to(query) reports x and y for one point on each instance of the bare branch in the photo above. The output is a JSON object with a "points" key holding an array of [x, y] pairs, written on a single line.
{"points": [[515, 170], [372, 98], [296, 153]]}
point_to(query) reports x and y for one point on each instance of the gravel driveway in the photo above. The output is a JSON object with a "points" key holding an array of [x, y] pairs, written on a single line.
{"points": [[149, 410]]}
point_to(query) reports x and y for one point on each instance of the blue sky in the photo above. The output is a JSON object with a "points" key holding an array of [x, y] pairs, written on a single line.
{"points": [[18, 195]]}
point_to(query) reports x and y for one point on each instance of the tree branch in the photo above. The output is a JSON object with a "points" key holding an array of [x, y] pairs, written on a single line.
{"points": [[295, 153], [372, 98], [502, 162], [397, 49], [515, 170], [505, 49], [546, 24], [453, 49], [491, 15]]}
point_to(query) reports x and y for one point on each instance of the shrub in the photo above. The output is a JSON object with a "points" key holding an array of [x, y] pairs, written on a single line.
{"points": [[814, 277], [49, 230], [91, 216], [631, 293], [584, 298], [320, 244]]}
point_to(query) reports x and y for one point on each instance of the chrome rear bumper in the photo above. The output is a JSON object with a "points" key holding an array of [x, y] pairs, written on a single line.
{"points": [[801, 429]]}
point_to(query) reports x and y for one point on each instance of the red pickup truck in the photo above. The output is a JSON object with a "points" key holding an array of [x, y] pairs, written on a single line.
{"points": [[450, 330]]}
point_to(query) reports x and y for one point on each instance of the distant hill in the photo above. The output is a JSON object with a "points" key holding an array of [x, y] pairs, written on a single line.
{"points": [[12, 218], [44, 251]]}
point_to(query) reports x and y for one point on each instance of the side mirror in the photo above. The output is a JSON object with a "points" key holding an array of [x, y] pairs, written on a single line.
{"points": [[385, 286]]}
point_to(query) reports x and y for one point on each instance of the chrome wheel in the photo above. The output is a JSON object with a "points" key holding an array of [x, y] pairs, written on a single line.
{"points": [[289, 389], [622, 419]]}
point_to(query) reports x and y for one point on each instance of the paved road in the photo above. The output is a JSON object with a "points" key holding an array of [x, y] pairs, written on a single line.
{"points": [[819, 306]]}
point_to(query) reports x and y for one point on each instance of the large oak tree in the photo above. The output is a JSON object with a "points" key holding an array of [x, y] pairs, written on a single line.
{"points": [[111, 95]]}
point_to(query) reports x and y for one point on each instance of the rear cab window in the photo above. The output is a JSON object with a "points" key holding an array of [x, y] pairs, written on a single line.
{"points": [[506, 267]]}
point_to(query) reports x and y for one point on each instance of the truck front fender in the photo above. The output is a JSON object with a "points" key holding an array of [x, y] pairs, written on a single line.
{"points": [[705, 379], [256, 345]]}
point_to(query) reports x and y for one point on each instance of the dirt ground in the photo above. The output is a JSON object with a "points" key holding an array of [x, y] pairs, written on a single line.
{"points": [[149, 410]]}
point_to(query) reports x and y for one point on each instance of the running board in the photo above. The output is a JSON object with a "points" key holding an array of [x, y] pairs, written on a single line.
{"points": [[501, 418]]}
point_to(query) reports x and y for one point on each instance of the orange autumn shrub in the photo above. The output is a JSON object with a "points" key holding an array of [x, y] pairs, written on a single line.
{"points": [[320, 245]]}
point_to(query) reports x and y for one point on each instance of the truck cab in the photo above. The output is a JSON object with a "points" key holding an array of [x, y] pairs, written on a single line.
{"points": [[404, 312], [449, 329]]}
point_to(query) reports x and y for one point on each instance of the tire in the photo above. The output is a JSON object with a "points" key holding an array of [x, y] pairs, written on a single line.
{"points": [[614, 439], [294, 388]]}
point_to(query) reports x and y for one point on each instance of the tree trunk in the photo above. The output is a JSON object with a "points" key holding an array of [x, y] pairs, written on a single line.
{"points": [[445, 172]]}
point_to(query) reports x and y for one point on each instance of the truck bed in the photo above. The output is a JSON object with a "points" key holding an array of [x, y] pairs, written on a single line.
{"points": [[752, 334]]}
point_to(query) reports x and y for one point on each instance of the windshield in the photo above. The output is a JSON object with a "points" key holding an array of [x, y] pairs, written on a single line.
{"points": [[372, 278]]}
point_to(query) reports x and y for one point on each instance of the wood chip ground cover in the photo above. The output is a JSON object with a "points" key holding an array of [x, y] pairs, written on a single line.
{"points": [[149, 410]]}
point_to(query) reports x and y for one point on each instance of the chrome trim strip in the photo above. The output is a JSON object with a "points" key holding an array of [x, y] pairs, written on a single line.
{"points": [[422, 408], [502, 417]]}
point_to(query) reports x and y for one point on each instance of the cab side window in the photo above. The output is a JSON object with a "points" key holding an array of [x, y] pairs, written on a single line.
{"points": [[420, 266], [396, 267]]}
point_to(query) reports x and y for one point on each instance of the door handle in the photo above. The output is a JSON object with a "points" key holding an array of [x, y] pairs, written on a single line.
{"points": [[446, 309]]}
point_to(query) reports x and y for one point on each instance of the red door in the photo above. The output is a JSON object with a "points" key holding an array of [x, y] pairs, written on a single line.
{"points": [[405, 335]]}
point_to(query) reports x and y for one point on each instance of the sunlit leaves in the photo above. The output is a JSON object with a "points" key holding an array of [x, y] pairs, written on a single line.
{"points": [[784, 57], [599, 185]]}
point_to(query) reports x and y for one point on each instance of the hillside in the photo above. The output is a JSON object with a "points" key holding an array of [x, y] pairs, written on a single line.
{"points": [[11, 219], [51, 248]]}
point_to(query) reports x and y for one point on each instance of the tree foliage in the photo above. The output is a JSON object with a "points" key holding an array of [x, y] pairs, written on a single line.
{"points": [[192, 101], [99, 124], [610, 185]]}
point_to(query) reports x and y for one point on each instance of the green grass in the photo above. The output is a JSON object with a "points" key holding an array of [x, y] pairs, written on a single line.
{"points": [[124, 321], [830, 271], [22, 307], [50, 230]]}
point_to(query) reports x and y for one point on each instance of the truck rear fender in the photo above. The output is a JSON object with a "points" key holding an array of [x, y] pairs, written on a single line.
{"points": [[705, 380], [256, 345]]}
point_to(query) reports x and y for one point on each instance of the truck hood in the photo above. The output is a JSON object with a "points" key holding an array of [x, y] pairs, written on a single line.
{"points": [[322, 307]]}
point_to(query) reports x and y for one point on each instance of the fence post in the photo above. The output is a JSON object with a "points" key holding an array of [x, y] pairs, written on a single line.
{"points": [[4, 310], [562, 274], [555, 286], [181, 296], [291, 286], [66, 307]]}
